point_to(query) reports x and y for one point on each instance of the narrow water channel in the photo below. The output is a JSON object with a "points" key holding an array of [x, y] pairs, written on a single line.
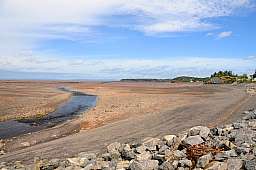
{"points": [[78, 103]]}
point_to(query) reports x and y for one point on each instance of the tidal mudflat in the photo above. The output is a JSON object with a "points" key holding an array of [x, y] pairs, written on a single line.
{"points": [[127, 112]]}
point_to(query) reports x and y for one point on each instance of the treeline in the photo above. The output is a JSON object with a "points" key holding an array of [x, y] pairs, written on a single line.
{"points": [[145, 80], [220, 77]]}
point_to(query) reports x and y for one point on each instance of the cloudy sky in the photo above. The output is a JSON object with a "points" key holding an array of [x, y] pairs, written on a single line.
{"points": [[112, 39]]}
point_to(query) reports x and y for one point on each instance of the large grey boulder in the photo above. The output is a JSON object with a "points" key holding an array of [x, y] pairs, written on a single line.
{"points": [[144, 165], [204, 160], [113, 149], [185, 163], [143, 156], [235, 164], [169, 165], [127, 153], [199, 130], [250, 164], [193, 140], [225, 155], [140, 149]]}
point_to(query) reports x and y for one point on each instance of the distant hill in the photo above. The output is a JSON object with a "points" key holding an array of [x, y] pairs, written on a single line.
{"points": [[177, 79], [189, 79], [145, 80]]}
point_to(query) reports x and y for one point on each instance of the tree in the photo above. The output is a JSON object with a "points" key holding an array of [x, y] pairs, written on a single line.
{"points": [[254, 75], [223, 73]]}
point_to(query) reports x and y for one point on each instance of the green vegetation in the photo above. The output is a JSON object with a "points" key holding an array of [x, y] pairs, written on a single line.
{"points": [[189, 79], [223, 73], [228, 77], [220, 77]]}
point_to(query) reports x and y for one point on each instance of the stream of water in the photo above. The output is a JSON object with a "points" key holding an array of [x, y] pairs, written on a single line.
{"points": [[78, 103]]}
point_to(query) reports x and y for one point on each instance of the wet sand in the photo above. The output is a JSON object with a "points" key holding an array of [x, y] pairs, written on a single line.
{"points": [[128, 112]]}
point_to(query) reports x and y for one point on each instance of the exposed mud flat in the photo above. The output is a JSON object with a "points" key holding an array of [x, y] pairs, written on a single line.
{"points": [[128, 112]]}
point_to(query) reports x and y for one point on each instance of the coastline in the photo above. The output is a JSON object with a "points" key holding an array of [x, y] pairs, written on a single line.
{"points": [[198, 100]]}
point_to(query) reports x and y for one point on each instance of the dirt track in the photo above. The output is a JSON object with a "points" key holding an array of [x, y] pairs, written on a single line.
{"points": [[203, 105]]}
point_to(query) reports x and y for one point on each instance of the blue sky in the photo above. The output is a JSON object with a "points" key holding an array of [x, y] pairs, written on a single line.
{"points": [[126, 39]]}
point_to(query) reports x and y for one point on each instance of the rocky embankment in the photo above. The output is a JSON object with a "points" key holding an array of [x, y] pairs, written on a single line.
{"points": [[231, 147]]}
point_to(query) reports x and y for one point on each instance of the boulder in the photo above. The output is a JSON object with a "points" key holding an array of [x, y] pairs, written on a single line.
{"points": [[179, 154], [113, 147], [193, 140], [151, 143], [204, 160], [144, 165], [199, 130], [122, 165], [143, 156], [169, 165], [140, 149], [217, 166], [234, 164], [225, 155], [127, 153], [170, 139], [164, 149], [185, 163], [250, 164]]}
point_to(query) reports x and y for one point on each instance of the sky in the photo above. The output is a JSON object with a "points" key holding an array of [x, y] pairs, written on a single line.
{"points": [[114, 39]]}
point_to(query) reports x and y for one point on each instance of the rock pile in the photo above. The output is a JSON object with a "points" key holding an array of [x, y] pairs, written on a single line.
{"points": [[231, 147]]}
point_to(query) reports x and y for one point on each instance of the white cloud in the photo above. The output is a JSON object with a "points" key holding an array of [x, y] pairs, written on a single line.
{"points": [[24, 23], [225, 34], [126, 68], [252, 57]]}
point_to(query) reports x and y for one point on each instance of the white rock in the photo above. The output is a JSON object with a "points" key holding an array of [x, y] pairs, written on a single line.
{"points": [[193, 140], [170, 139], [199, 130]]}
